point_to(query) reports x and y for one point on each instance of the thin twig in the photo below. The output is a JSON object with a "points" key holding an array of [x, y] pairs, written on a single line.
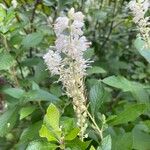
{"points": [[20, 68], [111, 28]]}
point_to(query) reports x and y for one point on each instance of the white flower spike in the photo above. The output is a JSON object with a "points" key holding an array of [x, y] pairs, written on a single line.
{"points": [[68, 62]]}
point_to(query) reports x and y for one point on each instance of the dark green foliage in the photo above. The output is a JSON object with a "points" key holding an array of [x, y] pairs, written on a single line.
{"points": [[35, 113]]}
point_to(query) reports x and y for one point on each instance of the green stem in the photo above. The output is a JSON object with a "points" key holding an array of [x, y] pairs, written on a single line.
{"points": [[95, 125]]}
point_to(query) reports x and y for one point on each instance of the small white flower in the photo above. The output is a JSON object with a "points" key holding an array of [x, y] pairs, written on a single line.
{"points": [[132, 4], [146, 5], [71, 13], [14, 3], [53, 61], [61, 43], [60, 25], [82, 44], [76, 32], [78, 16], [78, 24]]}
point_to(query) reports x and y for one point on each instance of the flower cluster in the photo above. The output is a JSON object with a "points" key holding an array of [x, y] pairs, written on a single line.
{"points": [[14, 3], [139, 10], [67, 61]]}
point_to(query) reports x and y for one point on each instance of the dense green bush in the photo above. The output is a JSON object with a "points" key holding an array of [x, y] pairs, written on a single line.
{"points": [[37, 114]]}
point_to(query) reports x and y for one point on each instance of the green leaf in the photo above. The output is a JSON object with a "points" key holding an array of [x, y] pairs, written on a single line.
{"points": [[72, 134], [32, 40], [122, 142], [48, 3], [52, 117], [8, 120], [31, 132], [68, 124], [139, 93], [50, 129], [56, 90], [6, 61], [141, 47], [2, 12], [106, 143], [118, 82], [77, 144], [41, 145], [31, 61], [141, 140], [147, 123], [137, 89], [14, 92], [44, 95], [35, 86], [92, 148], [40, 95], [129, 114], [45, 132], [89, 53], [95, 70], [96, 96], [26, 111]]}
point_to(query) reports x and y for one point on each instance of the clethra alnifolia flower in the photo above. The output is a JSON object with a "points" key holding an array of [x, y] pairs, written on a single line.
{"points": [[139, 9], [14, 3], [68, 62], [53, 61]]}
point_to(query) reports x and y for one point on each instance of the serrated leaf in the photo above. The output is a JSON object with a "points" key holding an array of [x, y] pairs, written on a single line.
{"points": [[96, 96], [26, 111], [129, 114], [41, 145], [6, 61], [52, 117], [45, 132], [72, 134], [50, 128], [8, 120], [32, 40]]}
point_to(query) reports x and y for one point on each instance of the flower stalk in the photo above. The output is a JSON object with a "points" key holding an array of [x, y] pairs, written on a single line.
{"points": [[66, 60]]}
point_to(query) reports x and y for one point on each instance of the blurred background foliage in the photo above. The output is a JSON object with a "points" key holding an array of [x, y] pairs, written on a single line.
{"points": [[117, 83]]}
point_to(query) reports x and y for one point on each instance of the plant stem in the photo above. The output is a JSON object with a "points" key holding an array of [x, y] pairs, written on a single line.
{"points": [[95, 125]]}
